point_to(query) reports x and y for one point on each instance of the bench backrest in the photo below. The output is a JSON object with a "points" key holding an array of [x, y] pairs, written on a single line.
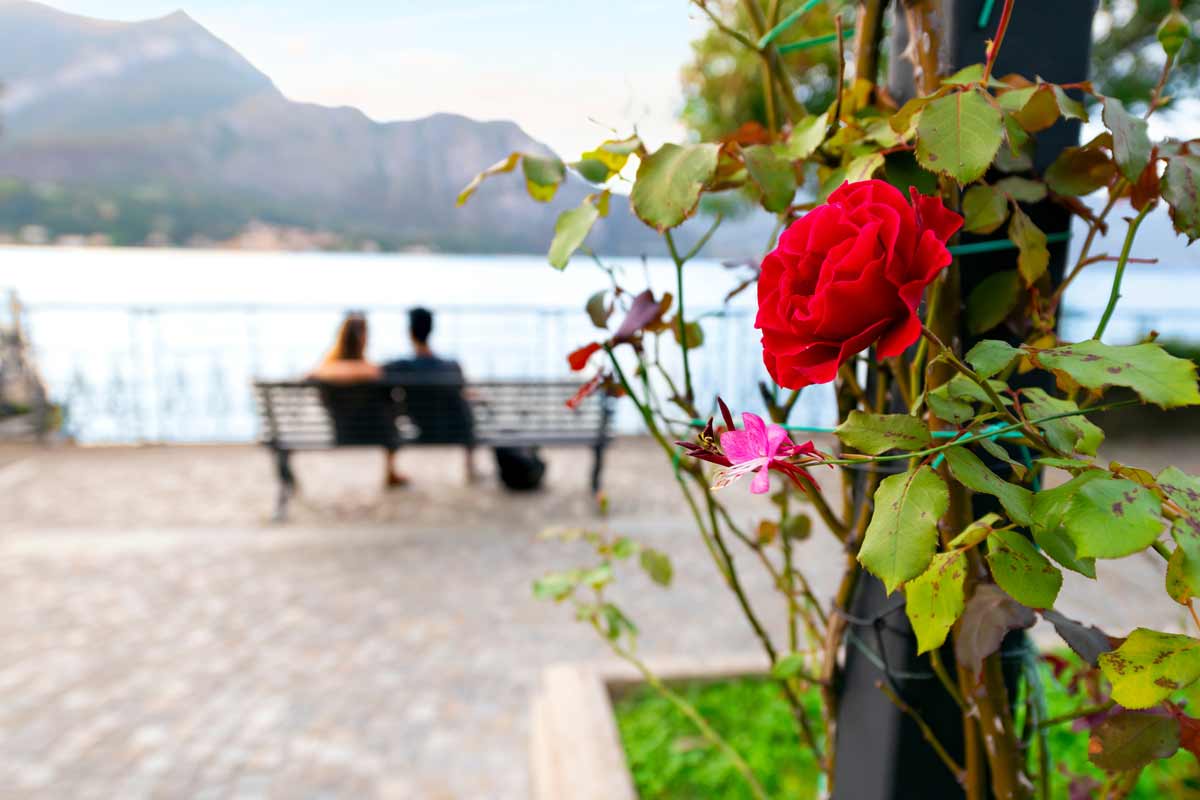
{"points": [[309, 415]]}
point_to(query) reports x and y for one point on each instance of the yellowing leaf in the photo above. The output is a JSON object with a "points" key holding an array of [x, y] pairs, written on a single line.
{"points": [[934, 600], [1149, 666], [507, 164]]}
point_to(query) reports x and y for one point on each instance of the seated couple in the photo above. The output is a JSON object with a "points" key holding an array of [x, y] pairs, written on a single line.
{"points": [[434, 400]]}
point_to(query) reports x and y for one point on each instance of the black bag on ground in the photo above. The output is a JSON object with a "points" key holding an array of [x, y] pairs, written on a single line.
{"points": [[521, 468]]}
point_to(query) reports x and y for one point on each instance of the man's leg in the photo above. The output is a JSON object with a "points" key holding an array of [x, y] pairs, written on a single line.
{"points": [[392, 476], [472, 473]]}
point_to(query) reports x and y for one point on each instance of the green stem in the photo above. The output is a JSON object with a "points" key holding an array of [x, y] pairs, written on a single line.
{"points": [[687, 366], [690, 711], [1115, 295], [982, 435]]}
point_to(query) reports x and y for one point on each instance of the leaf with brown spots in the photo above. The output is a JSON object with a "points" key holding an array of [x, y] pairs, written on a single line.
{"points": [[1149, 666], [934, 599], [1022, 571], [1147, 369], [902, 535]]}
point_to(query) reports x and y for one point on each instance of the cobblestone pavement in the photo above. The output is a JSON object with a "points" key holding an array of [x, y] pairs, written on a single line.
{"points": [[159, 642]]}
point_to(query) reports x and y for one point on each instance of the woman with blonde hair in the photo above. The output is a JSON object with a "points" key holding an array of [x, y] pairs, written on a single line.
{"points": [[362, 415]]}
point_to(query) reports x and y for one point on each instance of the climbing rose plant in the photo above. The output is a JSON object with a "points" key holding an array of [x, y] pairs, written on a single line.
{"points": [[954, 412]]}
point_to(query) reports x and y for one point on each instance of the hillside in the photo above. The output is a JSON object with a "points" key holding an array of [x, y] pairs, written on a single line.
{"points": [[159, 130]]}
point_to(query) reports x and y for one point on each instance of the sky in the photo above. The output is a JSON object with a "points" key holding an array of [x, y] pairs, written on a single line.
{"points": [[570, 72]]}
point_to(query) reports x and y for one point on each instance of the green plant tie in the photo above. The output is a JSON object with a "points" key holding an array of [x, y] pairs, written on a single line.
{"points": [[994, 245], [814, 42], [985, 13], [786, 23]]}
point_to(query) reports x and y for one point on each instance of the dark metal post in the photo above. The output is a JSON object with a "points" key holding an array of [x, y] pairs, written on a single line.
{"points": [[882, 754]]}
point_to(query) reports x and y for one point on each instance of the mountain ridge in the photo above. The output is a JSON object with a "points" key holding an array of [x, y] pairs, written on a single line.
{"points": [[159, 131]]}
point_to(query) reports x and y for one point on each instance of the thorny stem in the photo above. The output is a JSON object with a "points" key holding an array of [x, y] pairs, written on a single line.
{"points": [[1115, 295], [927, 732], [689, 711], [994, 46], [993, 397], [868, 29], [1156, 97]]}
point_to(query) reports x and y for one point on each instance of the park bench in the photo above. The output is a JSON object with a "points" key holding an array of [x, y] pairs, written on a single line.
{"points": [[402, 411]]}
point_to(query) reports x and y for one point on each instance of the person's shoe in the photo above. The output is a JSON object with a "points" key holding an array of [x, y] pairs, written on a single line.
{"points": [[395, 480]]}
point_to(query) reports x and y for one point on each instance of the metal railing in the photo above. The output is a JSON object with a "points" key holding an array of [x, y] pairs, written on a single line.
{"points": [[182, 373]]}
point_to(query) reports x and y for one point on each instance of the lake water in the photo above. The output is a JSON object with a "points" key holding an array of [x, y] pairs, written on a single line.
{"points": [[146, 344]]}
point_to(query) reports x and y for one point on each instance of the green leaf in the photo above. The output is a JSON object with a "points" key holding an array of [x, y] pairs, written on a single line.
{"points": [[1034, 108], [1067, 434], [1112, 518], [692, 330], [1022, 571], [991, 356], [1069, 106], [1080, 170], [1182, 489], [1022, 189], [1033, 257], [557, 586], [934, 600], [806, 136], [877, 433], [1050, 509], [1017, 157], [989, 616], [984, 208], [598, 310], [958, 135], [1183, 568], [993, 300], [657, 565], [507, 164], [864, 167], [950, 409], [1149, 666], [669, 183], [902, 535], [570, 230], [1131, 141], [592, 170], [1181, 190], [775, 176], [789, 666], [975, 475], [543, 174], [1148, 369], [1131, 740], [613, 154], [976, 532]]}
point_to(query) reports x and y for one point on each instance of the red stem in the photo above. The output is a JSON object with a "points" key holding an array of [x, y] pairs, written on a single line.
{"points": [[994, 48]]}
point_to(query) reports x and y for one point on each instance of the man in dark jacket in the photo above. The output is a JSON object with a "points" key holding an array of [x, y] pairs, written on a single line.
{"points": [[434, 391]]}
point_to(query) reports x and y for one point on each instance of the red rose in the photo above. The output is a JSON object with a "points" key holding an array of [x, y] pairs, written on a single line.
{"points": [[848, 275]]}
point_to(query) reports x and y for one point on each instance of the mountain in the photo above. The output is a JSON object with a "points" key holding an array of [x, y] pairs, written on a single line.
{"points": [[158, 130]]}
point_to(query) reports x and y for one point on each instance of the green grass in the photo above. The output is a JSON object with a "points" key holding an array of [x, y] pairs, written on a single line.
{"points": [[671, 761]]}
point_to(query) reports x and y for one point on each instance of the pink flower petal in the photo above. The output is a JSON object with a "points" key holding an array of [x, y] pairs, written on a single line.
{"points": [[762, 481]]}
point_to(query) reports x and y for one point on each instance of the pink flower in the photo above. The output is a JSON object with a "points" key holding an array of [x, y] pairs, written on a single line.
{"points": [[759, 448]]}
